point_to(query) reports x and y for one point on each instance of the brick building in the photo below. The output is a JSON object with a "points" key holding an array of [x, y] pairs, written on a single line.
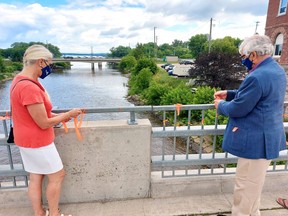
{"points": [[277, 28]]}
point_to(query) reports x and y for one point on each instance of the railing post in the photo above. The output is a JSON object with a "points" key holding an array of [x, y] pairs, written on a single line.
{"points": [[132, 120]]}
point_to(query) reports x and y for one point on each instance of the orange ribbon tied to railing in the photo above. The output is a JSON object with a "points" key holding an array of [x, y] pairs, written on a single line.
{"points": [[6, 117], [178, 108], [77, 125]]}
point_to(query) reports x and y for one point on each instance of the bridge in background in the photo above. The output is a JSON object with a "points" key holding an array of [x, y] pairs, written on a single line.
{"points": [[91, 60]]}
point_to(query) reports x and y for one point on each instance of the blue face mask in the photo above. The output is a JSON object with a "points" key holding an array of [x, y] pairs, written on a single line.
{"points": [[247, 62], [46, 71]]}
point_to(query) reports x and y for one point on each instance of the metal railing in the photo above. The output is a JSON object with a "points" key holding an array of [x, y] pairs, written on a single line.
{"points": [[185, 149]]}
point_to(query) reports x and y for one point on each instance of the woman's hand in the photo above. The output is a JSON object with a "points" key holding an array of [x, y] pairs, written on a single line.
{"points": [[74, 113]]}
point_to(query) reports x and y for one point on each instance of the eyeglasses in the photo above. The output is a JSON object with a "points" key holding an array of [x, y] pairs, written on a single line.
{"points": [[243, 57], [50, 65]]}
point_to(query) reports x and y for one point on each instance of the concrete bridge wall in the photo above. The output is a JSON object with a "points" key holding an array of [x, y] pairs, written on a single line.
{"points": [[113, 163]]}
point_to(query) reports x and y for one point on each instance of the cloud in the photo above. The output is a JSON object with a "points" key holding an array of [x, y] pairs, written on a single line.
{"points": [[80, 24]]}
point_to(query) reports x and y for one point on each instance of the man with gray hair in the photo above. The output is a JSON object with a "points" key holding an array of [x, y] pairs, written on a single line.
{"points": [[255, 131]]}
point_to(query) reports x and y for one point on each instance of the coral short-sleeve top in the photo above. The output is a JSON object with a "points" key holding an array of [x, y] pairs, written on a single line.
{"points": [[26, 132]]}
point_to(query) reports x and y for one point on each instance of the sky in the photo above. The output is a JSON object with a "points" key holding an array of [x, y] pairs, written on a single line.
{"points": [[85, 26]]}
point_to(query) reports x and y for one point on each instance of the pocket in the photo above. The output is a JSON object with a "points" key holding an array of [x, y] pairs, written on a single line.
{"points": [[239, 139]]}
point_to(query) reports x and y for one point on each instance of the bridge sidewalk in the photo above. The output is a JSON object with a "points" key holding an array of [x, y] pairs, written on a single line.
{"points": [[184, 206]]}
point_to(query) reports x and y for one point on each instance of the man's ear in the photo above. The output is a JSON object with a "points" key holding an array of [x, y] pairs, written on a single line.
{"points": [[254, 54]]}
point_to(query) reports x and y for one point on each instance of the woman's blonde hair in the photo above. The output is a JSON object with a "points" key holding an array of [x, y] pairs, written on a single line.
{"points": [[35, 52]]}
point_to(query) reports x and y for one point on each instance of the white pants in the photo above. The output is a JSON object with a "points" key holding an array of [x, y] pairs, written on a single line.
{"points": [[249, 181]]}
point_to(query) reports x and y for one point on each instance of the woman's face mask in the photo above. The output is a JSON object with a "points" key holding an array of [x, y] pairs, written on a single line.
{"points": [[46, 71]]}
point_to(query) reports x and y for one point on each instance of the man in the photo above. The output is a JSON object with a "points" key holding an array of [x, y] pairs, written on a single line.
{"points": [[255, 131]]}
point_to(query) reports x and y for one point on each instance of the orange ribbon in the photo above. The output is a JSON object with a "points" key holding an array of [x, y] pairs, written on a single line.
{"points": [[178, 108], [203, 121], [6, 117], [164, 122], [77, 125]]}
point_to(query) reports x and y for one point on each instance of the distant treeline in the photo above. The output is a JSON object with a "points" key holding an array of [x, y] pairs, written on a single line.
{"points": [[85, 54]]}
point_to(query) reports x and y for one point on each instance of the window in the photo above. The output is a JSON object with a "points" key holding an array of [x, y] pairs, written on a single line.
{"points": [[278, 45], [283, 7]]}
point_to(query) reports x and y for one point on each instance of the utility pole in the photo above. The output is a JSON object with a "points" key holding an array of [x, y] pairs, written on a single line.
{"points": [[257, 22], [210, 35], [155, 42]]}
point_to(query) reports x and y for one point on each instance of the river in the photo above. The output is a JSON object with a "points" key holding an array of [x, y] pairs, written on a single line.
{"points": [[80, 87]]}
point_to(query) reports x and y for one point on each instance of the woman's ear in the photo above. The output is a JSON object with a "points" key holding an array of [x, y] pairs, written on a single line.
{"points": [[40, 62]]}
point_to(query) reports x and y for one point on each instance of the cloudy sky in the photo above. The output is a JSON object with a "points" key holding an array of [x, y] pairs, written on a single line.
{"points": [[99, 25]]}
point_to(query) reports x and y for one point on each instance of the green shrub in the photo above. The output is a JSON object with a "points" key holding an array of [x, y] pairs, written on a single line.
{"points": [[17, 66], [10, 69], [145, 63], [152, 96], [181, 94], [204, 95], [2, 65], [127, 63], [140, 82]]}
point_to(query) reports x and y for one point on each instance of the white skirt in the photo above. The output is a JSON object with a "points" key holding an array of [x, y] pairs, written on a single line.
{"points": [[43, 160]]}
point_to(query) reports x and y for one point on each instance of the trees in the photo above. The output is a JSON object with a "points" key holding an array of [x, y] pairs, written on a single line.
{"points": [[16, 52], [226, 45], [119, 51], [217, 69], [197, 44], [221, 67], [138, 52]]}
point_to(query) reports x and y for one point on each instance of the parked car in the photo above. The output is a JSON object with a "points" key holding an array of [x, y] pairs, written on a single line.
{"points": [[186, 62], [170, 72], [165, 65], [169, 67]]}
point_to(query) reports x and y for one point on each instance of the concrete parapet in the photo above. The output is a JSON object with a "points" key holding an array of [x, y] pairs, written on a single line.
{"points": [[209, 185], [17, 197], [111, 163]]}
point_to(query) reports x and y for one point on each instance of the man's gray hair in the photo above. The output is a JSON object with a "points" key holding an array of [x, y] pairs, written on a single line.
{"points": [[261, 44]]}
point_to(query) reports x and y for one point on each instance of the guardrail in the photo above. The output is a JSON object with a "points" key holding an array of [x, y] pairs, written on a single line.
{"points": [[192, 159]]}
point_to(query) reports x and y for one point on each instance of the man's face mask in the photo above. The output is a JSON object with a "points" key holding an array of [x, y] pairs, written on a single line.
{"points": [[247, 62], [46, 70]]}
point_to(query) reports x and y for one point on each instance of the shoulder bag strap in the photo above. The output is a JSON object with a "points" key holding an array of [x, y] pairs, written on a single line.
{"points": [[13, 89]]}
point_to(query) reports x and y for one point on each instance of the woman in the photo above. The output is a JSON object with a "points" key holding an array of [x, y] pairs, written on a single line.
{"points": [[33, 124], [255, 131]]}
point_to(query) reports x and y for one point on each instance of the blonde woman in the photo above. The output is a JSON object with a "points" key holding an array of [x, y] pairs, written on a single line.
{"points": [[33, 124]]}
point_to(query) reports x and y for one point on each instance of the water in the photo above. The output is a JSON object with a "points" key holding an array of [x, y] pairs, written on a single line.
{"points": [[80, 87], [77, 87]]}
